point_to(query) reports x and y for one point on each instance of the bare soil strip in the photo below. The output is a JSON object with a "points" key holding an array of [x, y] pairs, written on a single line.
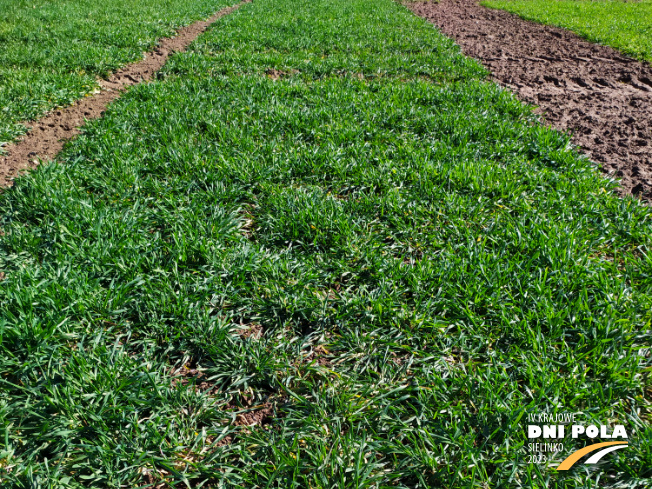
{"points": [[47, 136], [601, 96]]}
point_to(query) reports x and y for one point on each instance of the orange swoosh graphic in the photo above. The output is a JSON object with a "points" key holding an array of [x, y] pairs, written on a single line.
{"points": [[575, 456]]}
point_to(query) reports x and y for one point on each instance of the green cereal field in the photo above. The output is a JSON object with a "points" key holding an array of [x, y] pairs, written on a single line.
{"points": [[320, 250]]}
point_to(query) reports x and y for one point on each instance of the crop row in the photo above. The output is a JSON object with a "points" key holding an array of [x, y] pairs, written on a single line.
{"points": [[51, 53]]}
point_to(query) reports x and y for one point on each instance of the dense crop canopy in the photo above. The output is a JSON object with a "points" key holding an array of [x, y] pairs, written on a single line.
{"points": [[319, 252]]}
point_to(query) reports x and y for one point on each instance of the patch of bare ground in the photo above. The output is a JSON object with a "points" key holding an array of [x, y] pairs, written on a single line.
{"points": [[252, 330], [599, 95], [252, 415], [247, 412], [248, 416], [275, 74], [318, 356], [46, 137], [152, 482]]}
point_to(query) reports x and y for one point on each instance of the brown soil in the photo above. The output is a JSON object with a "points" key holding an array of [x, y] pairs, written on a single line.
{"points": [[275, 74], [601, 96], [47, 136], [318, 356], [247, 413], [260, 415], [254, 331]]}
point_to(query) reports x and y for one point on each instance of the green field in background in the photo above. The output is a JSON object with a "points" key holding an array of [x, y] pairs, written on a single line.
{"points": [[626, 26]]}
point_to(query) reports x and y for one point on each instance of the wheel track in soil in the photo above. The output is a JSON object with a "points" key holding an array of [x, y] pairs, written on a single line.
{"points": [[47, 136], [602, 97]]}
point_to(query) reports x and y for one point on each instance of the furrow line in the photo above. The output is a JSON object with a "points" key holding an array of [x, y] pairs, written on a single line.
{"points": [[46, 136]]}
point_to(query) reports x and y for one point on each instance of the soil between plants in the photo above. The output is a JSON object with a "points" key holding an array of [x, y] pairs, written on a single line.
{"points": [[46, 137], [603, 98]]}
